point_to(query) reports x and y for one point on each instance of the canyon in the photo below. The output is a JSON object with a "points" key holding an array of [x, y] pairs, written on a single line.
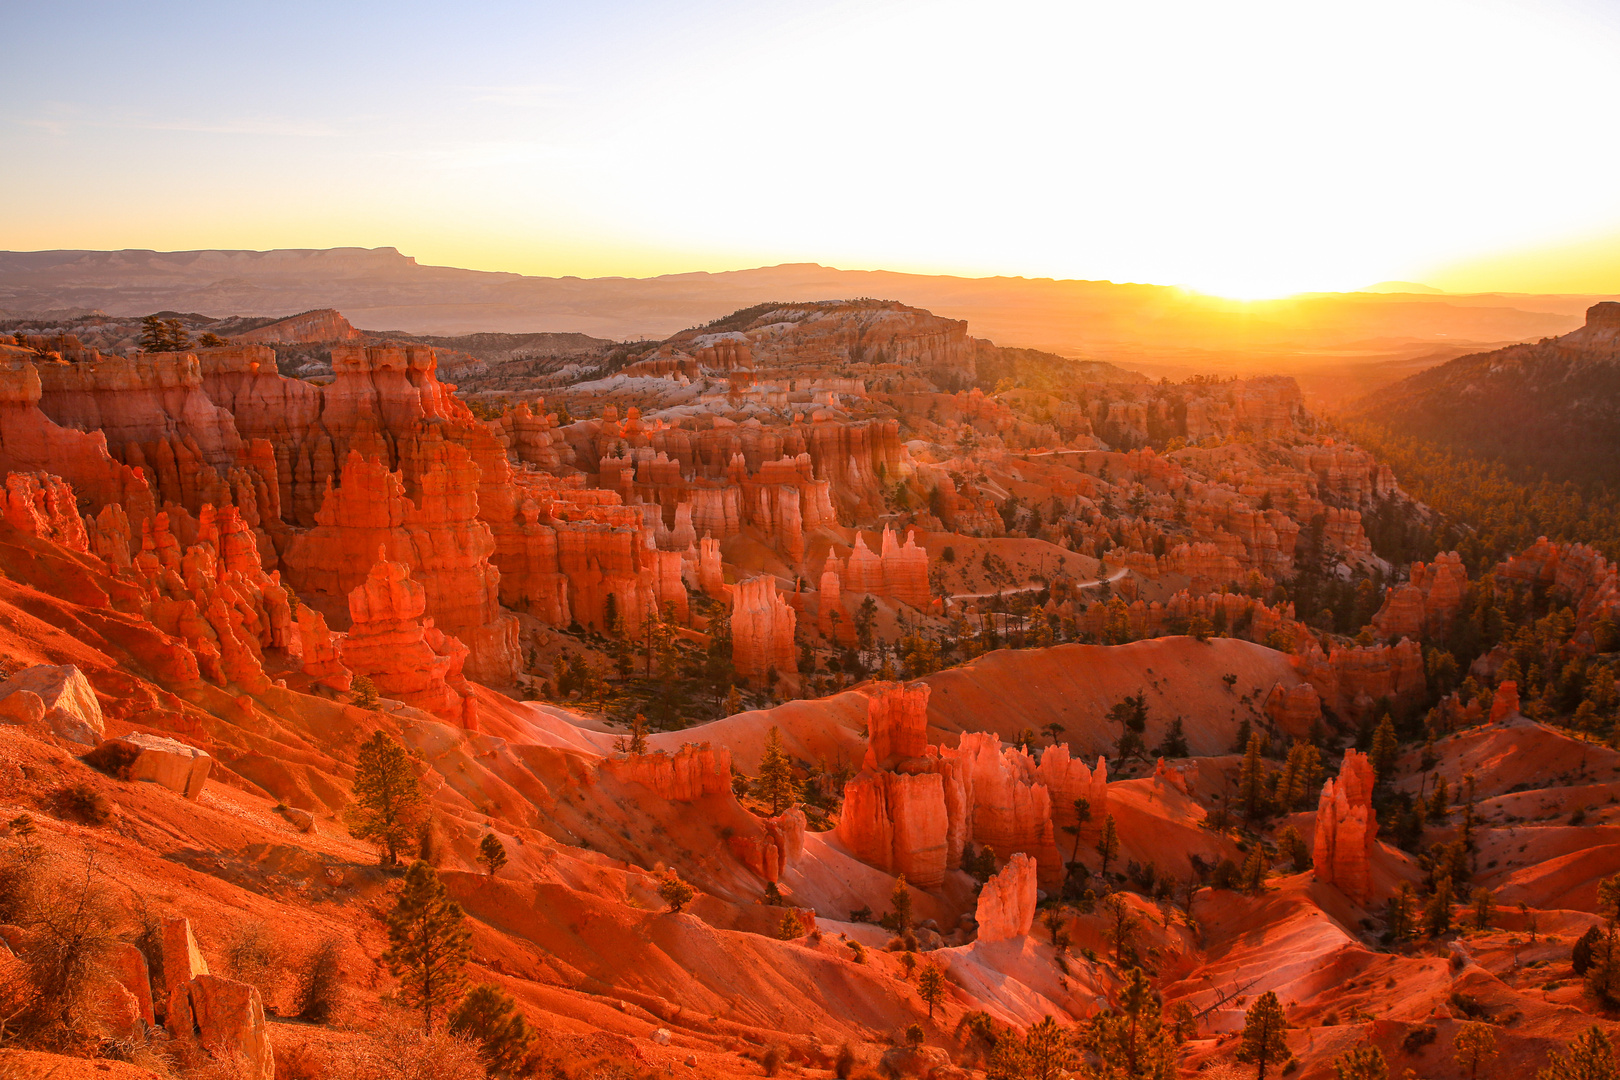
{"points": [[902, 648]]}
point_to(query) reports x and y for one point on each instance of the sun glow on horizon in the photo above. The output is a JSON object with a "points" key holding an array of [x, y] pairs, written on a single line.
{"points": [[1255, 150]]}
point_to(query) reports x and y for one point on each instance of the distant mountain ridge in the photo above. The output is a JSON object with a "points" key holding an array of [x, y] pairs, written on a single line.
{"points": [[382, 287], [1549, 408]]}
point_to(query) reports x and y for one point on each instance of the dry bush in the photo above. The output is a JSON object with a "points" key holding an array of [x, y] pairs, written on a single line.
{"points": [[251, 956], [70, 925], [771, 1060], [80, 802], [302, 1061], [140, 1051], [218, 1063], [318, 985], [845, 1063], [399, 1050], [112, 758], [600, 1067]]}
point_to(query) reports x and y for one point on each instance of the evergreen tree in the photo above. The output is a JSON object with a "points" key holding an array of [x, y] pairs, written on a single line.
{"points": [[776, 784], [1254, 870], [365, 692], [492, 853], [1108, 845], [1175, 741], [675, 892], [1402, 909], [175, 336], [1264, 1042], [900, 903], [154, 335], [1603, 963], [1439, 801], [1082, 814], [931, 986], [1362, 1063], [489, 1016], [1048, 1051], [428, 942], [1385, 749], [389, 807], [1251, 791], [1292, 845], [1476, 1045], [1484, 909], [1589, 1056], [1122, 929], [1437, 911], [1301, 777], [1132, 1041]]}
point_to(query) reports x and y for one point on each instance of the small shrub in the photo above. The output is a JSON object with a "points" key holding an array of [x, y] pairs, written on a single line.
{"points": [[1417, 1039], [82, 803], [319, 986], [250, 956], [1468, 1005], [771, 1060], [844, 1064], [112, 758]]}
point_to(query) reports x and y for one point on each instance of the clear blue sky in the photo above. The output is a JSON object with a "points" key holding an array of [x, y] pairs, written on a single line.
{"points": [[1248, 148]]}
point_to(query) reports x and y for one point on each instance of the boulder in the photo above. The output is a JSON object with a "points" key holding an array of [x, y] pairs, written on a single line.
{"points": [[22, 707], [302, 820], [127, 965], [182, 959], [225, 1017], [167, 762], [70, 702]]}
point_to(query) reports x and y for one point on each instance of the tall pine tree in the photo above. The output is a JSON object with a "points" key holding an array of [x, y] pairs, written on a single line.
{"points": [[428, 943], [389, 807]]}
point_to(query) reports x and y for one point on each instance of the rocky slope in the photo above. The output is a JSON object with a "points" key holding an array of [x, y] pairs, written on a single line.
{"points": [[1550, 408], [988, 630]]}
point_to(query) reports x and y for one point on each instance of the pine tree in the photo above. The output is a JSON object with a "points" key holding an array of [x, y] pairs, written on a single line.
{"points": [[931, 986], [1264, 1042], [389, 807], [1132, 1040], [175, 336], [1484, 909], [791, 927], [1589, 1056], [489, 1016], [365, 692], [1362, 1063], [492, 853], [1122, 930], [1254, 870], [1439, 801], [1108, 845], [1048, 1051], [776, 784], [1291, 844], [428, 942], [1402, 908], [1385, 749], [675, 892], [1175, 741], [1251, 791], [900, 903], [1476, 1045], [1437, 911], [154, 335]]}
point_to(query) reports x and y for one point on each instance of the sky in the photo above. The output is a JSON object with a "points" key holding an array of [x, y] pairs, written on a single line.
{"points": [[1241, 148]]}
